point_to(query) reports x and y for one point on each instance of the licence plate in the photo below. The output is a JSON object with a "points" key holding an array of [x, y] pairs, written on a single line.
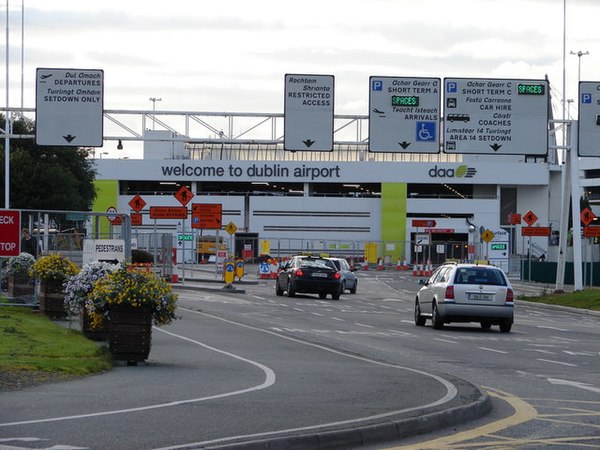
{"points": [[480, 297], [319, 275]]}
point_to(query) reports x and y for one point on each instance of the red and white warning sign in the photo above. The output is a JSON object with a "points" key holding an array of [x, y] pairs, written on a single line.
{"points": [[10, 235]]}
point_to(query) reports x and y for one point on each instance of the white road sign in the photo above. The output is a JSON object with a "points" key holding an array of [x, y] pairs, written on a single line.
{"points": [[496, 116], [308, 121], [404, 114], [69, 107], [589, 118]]}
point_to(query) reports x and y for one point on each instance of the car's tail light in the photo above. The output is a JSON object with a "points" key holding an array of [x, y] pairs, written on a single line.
{"points": [[509, 296], [299, 273], [337, 276], [449, 295]]}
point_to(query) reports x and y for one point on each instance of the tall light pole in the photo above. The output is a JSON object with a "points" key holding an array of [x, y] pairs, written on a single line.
{"points": [[7, 127], [154, 100], [579, 54]]}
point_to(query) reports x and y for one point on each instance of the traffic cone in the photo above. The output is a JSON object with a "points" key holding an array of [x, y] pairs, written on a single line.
{"points": [[404, 264], [427, 270], [365, 265], [415, 272], [379, 264], [421, 270], [398, 265]]}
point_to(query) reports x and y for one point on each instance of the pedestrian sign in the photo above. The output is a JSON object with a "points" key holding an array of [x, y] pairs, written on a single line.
{"points": [[184, 195], [530, 218], [231, 228], [137, 203], [487, 235]]}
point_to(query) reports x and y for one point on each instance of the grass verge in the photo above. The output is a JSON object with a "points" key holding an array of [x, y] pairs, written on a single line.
{"points": [[33, 349], [586, 299]]}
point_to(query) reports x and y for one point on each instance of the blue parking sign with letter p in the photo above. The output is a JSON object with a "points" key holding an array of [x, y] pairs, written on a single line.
{"points": [[586, 98], [451, 86], [377, 85]]}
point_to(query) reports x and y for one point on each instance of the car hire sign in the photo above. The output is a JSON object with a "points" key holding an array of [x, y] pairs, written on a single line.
{"points": [[69, 107], [10, 233], [496, 116], [308, 119]]}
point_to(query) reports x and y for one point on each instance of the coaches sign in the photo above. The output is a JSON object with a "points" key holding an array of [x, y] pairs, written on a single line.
{"points": [[69, 107], [497, 117], [308, 120]]}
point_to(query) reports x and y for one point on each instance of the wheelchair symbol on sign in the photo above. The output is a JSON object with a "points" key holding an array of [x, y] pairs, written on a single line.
{"points": [[425, 131]]}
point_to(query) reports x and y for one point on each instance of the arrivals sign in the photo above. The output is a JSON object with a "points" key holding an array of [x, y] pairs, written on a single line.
{"points": [[308, 120], [69, 107], [404, 114], [496, 116], [589, 119]]}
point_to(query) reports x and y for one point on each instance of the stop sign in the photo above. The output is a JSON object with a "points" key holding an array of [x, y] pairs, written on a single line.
{"points": [[10, 232]]}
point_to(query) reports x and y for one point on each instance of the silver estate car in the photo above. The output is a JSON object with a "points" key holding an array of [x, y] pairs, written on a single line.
{"points": [[466, 293]]}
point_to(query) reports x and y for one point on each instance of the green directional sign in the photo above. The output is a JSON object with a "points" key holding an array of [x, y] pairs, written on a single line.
{"points": [[185, 237]]}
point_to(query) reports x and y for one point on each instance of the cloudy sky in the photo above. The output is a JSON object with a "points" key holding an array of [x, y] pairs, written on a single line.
{"points": [[232, 55]]}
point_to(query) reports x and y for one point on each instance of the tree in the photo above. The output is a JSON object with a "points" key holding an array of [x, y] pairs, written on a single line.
{"points": [[47, 178]]}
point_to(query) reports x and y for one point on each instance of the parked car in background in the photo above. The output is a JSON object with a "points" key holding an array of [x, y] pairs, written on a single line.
{"points": [[466, 293], [309, 275], [349, 279]]}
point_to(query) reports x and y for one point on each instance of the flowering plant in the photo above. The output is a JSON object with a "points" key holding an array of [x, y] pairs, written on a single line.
{"points": [[127, 286], [20, 265], [53, 267], [79, 286]]}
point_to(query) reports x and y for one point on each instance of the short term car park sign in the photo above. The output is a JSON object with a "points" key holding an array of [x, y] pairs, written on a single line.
{"points": [[496, 116], [589, 119], [69, 107], [404, 114], [308, 120]]}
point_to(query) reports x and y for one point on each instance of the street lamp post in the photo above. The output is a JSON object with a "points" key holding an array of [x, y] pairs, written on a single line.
{"points": [[579, 54], [154, 100]]}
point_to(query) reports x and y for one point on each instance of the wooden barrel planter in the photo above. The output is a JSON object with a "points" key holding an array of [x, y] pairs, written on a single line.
{"points": [[52, 299], [129, 333], [20, 285], [95, 334]]}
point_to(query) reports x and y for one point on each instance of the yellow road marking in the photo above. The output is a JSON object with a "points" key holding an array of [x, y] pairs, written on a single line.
{"points": [[524, 412]]}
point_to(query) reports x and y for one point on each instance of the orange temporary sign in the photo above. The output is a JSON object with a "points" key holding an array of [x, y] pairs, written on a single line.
{"points": [[514, 218], [184, 195], [207, 215], [137, 203], [136, 219], [423, 223], [535, 231], [168, 212], [587, 216], [591, 231], [530, 218]]}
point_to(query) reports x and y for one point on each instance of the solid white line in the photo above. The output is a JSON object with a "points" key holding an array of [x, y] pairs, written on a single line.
{"points": [[317, 314], [445, 340], [338, 319], [363, 325], [551, 328], [269, 381], [557, 362]]}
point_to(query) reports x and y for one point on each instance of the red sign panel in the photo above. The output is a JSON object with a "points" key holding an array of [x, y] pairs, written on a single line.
{"points": [[530, 218], [514, 219], [535, 231], [136, 219], [423, 223], [137, 203], [10, 232], [207, 215], [591, 231], [439, 230], [168, 212], [184, 195], [587, 216]]}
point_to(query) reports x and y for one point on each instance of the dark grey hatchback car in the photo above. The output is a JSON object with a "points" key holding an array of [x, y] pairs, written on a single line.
{"points": [[309, 275]]}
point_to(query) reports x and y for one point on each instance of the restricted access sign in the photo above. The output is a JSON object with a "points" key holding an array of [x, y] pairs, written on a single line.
{"points": [[308, 120], [10, 232], [496, 116], [589, 119], [69, 107], [404, 114]]}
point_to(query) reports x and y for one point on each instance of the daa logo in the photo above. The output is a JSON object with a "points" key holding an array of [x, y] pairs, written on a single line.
{"points": [[460, 172]]}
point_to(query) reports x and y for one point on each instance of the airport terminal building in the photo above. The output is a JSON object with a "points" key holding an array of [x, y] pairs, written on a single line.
{"points": [[398, 206]]}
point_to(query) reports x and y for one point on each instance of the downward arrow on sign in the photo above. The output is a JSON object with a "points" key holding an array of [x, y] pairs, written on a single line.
{"points": [[69, 137], [495, 147], [308, 142], [404, 144]]}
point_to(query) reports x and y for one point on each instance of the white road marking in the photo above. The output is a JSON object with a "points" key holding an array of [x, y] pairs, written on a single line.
{"points": [[586, 386], [338, 319], [558, 362], [363, 325], [551, 328], [493, 350], [445, 340]]}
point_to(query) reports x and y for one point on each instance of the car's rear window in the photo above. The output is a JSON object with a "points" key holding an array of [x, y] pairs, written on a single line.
{"points": [[479, 275], [317, 263]]}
